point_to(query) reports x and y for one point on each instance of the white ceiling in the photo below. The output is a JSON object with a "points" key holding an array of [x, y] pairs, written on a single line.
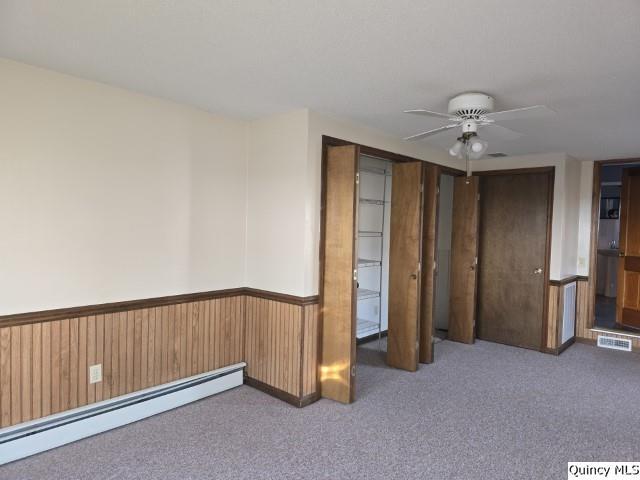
{"points": [[359, 59]]}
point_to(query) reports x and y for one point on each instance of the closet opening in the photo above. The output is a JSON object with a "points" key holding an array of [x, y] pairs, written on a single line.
{"points": [[370, 264], [374, 215]]}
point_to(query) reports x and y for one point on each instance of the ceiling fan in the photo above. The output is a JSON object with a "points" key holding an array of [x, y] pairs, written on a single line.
{"points": [[473, 111]]}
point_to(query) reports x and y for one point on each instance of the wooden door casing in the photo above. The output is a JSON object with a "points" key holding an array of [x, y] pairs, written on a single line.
{"points": [[628, 299], [404, 264]]}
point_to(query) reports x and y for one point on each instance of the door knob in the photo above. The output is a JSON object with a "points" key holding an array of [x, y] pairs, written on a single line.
{"points": [[621, 254], [537, 271], [413, 276]]}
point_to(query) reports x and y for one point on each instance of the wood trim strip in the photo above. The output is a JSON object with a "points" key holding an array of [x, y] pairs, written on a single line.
{"points": [[384, 154], [281, 394], [617, 161], [516, 171], [566, 345], [281, 297], [105, 308], [568, 280]]}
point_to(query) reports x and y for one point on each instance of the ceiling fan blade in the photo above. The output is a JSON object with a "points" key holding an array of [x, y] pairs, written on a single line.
{"points": [[525, 112], [429, 113], [500, 133], [431, 132]]}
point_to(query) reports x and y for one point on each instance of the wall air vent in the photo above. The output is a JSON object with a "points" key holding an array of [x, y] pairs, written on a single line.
{"points": [[614, 343], [497, 155]]}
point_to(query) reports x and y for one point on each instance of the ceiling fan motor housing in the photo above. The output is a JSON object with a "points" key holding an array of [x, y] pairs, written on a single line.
{"points": [[471, 105]]}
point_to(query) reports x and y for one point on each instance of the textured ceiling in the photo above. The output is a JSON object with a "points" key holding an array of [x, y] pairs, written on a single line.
{"points": [[359, 59]]}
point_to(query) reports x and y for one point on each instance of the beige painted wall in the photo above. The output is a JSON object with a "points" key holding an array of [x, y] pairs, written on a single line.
{"points": [[276, 202], [566, 204], [109, 195], [106, 195]]}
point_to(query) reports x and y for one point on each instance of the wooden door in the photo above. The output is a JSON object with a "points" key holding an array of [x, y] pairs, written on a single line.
{"points": [[628, 300], [404, 266], [431, 176], [464, 256], [338, 287], [514, 225]]}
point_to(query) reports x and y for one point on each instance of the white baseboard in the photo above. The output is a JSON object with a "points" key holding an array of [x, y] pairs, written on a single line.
{"points": [[37, 436]]}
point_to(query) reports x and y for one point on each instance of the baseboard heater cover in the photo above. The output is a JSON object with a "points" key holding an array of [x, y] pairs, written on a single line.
{"points": [[43, 434], [614, 343]]}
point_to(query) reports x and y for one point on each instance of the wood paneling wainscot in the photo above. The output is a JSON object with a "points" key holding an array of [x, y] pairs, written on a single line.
{"points": [[281, 348], [44, 367], [45, 356]]}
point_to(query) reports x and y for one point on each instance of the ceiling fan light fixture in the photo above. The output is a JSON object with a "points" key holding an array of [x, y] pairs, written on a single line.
{"points": [[456, 148], [472, 110], [477, 148]]}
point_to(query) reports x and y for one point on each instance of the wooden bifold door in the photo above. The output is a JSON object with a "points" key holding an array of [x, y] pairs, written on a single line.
{"points": [[338, 286], [404, 266], [464, 259], [628, 300]]}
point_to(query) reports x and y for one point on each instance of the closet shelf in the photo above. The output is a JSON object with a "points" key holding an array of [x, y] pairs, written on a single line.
{"points": [[375, 171], [366, 233], [372, 201], [367, 324], [364, 262], [364, 294]]}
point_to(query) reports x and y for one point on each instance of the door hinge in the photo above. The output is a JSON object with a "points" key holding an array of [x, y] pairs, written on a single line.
{"points": [[421, 188], [355, 275], [357, 178], [478, 197], [419, 266], [435, 266], [437, 190]]}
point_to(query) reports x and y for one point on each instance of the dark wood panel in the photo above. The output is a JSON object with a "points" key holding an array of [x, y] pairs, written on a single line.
{"points": [[404, 260], [514, 222], [431, 181], [632, 264], [464, 254]]}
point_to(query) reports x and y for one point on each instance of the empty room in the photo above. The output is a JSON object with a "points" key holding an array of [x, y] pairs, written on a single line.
{"points": [[295, 239]]}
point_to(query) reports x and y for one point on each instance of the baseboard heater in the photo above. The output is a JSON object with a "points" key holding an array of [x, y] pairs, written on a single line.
{"points": [[43, 434]]}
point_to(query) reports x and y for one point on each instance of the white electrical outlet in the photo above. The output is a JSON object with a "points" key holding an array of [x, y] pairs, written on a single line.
{"points": [[95, 373]]}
